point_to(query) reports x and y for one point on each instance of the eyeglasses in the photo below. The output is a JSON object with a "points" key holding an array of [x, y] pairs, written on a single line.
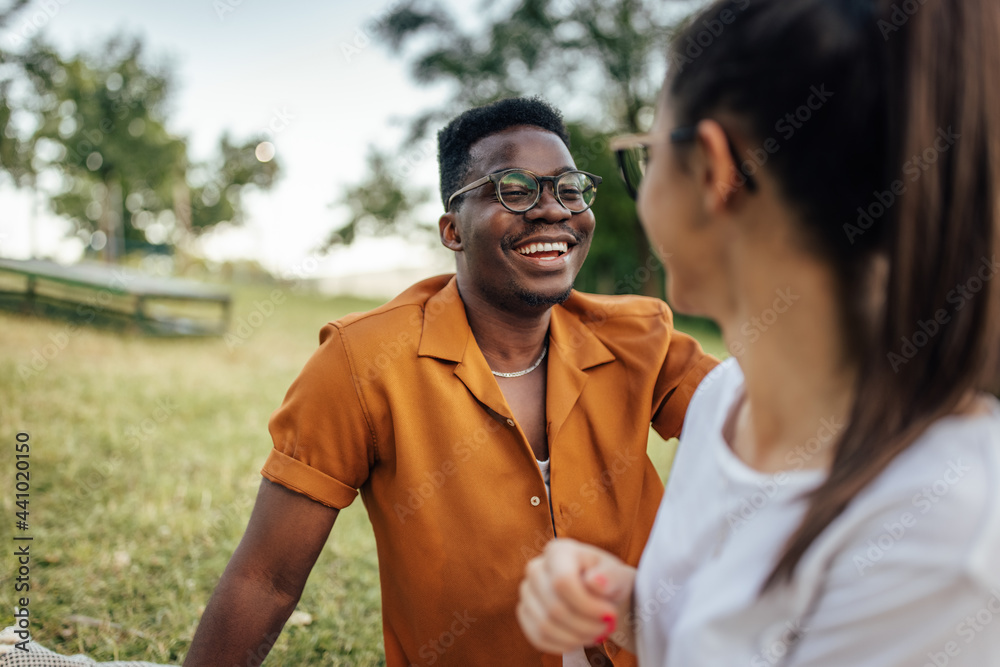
{"points": [[519, 190], [632, 152]]}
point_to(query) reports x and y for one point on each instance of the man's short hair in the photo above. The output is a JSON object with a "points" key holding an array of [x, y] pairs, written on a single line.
{"points": [[457, 137]]}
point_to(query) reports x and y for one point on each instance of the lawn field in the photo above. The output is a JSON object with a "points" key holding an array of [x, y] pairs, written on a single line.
{"points": [[144, 463]]}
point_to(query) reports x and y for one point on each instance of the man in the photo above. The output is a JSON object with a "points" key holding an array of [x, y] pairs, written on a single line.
{"points": [[454, 406]]}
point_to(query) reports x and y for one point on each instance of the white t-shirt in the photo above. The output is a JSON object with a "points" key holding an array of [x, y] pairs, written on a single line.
{"points": [[908, 575]]}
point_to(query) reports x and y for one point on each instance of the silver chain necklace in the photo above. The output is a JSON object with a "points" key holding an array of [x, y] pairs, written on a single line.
{"points": [[517, 374]]}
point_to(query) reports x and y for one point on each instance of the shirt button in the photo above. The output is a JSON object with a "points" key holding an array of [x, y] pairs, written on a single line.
{"points": [[536, 501], [510, 422]]}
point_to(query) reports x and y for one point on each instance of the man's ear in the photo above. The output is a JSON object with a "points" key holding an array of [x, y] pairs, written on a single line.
{"points": [[451, 238], [719, 175]]}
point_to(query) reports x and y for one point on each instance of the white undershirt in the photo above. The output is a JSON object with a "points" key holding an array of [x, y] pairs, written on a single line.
{"points": [[543, 467], [575, 658], [903, 577]]}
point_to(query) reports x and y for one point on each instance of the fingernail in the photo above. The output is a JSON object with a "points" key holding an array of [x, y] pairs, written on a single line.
{"points": [[601, 581], [610, 621]]}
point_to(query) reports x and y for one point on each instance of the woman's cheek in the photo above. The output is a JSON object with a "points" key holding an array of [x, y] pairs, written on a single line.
{"points": [[654, 216]]}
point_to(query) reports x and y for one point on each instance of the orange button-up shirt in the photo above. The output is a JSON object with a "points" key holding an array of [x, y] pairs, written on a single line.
{"points": [[400, 403]]}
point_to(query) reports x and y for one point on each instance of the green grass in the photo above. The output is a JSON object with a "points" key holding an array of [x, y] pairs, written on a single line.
{"points": [[145, 459]]}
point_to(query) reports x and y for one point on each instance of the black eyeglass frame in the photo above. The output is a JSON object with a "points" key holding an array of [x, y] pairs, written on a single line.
{"points": [[680, 135], [495, 177]]}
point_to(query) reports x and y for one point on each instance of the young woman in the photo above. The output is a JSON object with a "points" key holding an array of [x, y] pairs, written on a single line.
{"points": [[823, 181]]}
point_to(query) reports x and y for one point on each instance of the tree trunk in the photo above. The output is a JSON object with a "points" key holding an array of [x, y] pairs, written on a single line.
{"points": [[111, 221]]}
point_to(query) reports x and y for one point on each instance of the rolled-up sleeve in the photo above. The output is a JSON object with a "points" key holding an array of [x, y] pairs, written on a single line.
{"points": [[684, 367], [324, 446]]}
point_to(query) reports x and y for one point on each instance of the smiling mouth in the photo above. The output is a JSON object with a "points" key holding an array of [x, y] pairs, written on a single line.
{"points": [[544, 250]]}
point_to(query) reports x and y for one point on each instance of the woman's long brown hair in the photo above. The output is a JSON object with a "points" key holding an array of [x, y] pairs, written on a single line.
{"points": [[897, 161]]}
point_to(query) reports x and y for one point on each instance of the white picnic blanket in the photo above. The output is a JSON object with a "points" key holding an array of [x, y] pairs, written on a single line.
{"points": [[37, 655]]}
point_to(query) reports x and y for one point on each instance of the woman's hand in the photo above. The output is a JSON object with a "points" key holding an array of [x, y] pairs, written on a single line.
{"points": [[575, 595]]}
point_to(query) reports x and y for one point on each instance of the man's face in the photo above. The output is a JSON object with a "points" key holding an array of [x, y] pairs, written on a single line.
{"points": [[493, 243]]}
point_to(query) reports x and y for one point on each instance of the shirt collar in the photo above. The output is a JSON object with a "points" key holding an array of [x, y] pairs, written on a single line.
{"points": [[446, 333], [445, 329], [573, 349]]}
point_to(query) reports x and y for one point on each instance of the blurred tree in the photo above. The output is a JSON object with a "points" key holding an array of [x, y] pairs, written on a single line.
{"points": [[611, 54], [619, 261], [15, 155], [216, 195], [607, 57], [100, 127], [379, 205], [9, 8], [99, 132]]}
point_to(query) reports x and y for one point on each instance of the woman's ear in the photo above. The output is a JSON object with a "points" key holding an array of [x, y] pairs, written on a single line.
{"points": [[719, 174], [451, 238]]}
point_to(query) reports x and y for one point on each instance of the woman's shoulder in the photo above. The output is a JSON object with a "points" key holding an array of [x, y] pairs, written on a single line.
{"points": [[937, 503], [716, 392], [953, 474], [710, 403]]}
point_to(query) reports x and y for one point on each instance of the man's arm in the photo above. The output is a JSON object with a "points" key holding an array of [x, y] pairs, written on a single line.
{"points": [[264, 579], [684, 368]]}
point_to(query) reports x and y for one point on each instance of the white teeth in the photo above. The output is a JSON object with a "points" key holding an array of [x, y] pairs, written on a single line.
{"points": [[544, 247]]}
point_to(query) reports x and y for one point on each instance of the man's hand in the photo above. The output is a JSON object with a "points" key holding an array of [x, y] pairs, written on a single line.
{"points": [[575, 595], [264, 579]]}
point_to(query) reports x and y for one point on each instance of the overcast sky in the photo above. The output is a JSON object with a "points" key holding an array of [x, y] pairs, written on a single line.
{"points": [[242, 66]]}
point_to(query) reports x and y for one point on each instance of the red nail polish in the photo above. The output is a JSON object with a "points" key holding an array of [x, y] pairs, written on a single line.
{"points": [[611, 622]]}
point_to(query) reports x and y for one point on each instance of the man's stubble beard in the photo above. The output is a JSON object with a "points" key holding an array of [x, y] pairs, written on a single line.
{"points": [[536, 300]]}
